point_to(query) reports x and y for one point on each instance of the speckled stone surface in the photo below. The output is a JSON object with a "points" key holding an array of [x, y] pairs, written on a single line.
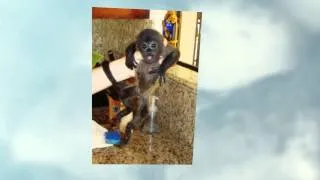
{"points": [[161, 149], [184, 77], [146, 149], [177, 117], [116, 34], [174, 143]]}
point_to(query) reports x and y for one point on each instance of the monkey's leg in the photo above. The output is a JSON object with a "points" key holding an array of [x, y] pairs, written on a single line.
{"points": [[125, 130], [138, 120], [139, 113]]}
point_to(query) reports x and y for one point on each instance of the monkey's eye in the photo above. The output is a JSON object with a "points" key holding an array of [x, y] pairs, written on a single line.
{"points": [[153, 45], [144, 46]]}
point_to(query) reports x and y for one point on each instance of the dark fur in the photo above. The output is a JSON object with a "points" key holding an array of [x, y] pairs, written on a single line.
{"points": [[137, 99], [148, 71]]}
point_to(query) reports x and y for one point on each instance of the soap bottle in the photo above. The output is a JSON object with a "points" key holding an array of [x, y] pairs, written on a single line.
{"points": [[151, 126]]}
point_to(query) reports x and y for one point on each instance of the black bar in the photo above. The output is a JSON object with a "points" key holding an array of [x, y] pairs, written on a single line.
{"points": [[194, 44], [199, 38], [179, 28], [111, 56], [188, 66]]}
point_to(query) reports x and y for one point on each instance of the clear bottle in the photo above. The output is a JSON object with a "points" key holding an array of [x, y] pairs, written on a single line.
{"points": [[151, 126]]}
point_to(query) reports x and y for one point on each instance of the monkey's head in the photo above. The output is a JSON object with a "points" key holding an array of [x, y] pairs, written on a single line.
{"points": [[150, 44]]}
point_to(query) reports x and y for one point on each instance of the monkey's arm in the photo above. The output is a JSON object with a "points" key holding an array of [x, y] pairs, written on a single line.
{"points": [[130, 60], [171, 57]]}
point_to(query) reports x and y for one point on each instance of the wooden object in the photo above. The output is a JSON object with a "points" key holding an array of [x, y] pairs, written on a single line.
{"points": [[116, 106], [118, 13]]}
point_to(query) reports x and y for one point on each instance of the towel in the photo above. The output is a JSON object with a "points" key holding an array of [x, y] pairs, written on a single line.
{"points": [[98, 140]]}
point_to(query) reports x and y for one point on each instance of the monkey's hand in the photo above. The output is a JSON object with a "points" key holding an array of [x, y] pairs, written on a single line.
{"points": [[170, 59], [130, 60], [161, 72]]}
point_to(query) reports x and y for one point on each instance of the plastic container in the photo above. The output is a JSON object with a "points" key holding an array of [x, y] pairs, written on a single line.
{"points": [[153, 127], [112, 137]]}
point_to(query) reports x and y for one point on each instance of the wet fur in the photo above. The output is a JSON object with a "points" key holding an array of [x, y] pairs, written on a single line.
{"points": [[146, 82]]}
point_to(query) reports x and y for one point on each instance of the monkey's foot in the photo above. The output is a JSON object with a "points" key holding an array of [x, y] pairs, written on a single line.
{"points": [[137, 123], [125, 136]]}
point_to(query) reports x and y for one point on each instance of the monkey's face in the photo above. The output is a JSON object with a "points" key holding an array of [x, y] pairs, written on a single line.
{"points": [[150, 50], [150, 44]]}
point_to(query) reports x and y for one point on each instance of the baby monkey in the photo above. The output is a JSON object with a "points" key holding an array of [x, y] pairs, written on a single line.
{"points": [[150, 43]]}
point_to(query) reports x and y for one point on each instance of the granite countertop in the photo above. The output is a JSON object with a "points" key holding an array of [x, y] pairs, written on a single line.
{"points": [[145, 149], [184, 76], [161, 148]]}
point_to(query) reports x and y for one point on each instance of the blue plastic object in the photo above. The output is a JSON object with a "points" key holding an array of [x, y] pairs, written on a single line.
{"points": [[170, 27], [112, 137]]}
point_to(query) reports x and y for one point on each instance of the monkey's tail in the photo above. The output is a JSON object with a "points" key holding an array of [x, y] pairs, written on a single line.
{"points": [[126, 136]]}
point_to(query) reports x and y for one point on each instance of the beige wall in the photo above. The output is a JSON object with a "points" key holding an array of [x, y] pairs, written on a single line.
{"points": [[156, 16], [187, 36]]}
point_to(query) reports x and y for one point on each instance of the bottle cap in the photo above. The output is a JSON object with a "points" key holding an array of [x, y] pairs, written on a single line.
{"points": [[112, 137]]}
